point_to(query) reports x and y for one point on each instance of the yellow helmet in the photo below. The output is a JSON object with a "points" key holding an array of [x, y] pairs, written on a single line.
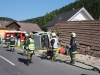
{"points": [[73, 34]]}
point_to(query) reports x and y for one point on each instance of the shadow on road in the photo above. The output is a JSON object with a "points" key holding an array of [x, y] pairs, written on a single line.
{"points": [[67, 62], [5, 47], [8, 50], [43, 57], [76, 65], [22, 60], [20, 54]]}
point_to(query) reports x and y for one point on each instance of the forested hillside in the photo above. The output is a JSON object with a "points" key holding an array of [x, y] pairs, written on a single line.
{"points": [[92, 6], [6, 19]]}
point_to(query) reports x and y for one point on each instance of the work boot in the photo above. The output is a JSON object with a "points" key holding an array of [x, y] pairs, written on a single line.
{"points": [[72, 62], [54, 58], [50, 58], [27, 62], [33, 53], [30, 61], [24, 53]]}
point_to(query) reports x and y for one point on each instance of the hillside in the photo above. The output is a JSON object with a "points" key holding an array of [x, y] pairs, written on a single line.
{"points": [[6, 19], [92, 7]]}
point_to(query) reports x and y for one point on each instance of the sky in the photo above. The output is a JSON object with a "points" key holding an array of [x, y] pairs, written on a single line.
{"points": [[27, 9]]}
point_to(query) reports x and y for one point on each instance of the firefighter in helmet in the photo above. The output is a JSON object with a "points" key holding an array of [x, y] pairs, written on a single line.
{"points": [[25, 43], [7, 40], [30, 48], [54, 44], [12, 43], [73, 47]]}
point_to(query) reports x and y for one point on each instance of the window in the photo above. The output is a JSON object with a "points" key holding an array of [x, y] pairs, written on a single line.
{"points": [[60, 18], [14, 29]]}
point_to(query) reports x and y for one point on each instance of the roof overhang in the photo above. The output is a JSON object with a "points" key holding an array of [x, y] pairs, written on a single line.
{"points": [[12, 23]]}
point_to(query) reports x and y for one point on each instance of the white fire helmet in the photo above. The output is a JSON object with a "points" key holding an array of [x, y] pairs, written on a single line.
{"points": [[53, 34], [31, 34], [7, 34], [26, 34], [73, 34], [11, 35]]}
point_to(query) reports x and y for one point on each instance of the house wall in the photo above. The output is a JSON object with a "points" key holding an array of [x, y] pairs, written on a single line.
{"points": [[2, 30], [11, 27], [81, 16]]}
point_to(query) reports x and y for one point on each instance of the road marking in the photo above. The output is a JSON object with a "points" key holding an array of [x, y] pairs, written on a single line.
{"points": [[7, 60]]}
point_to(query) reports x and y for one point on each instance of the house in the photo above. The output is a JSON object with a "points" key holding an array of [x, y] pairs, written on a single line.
{"points": [[74, 15], [17, 26]]}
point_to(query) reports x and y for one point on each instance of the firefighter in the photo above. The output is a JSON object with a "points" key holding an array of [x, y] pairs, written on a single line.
{"points": [[7, 40], [12, 43], [25, 43], [30, 47], [73, 47], [54, 45]]}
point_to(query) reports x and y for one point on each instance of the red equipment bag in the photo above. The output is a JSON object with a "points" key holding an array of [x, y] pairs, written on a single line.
{"points": [[49, 52], [62, 50]]}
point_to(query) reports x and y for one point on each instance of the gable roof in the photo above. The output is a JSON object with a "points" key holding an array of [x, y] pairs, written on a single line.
{"points": [[80, 11], [12, 23], [4, 23], [28, 27], [67, 16]]}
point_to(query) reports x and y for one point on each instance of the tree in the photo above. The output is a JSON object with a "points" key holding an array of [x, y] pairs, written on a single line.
{"points": [[6, 19]]}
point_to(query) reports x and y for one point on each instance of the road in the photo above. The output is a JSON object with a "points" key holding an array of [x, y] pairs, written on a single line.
{"points": [[13, 63]]}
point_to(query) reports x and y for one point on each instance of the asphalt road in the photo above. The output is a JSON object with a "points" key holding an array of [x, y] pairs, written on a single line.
{"points": [[13, 63]]}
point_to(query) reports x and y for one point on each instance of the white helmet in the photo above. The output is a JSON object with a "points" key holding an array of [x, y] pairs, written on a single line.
{"points": [[26, 34], [73, 34], [7, 35], [11, 35], [53, 34], [31, 33]]}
